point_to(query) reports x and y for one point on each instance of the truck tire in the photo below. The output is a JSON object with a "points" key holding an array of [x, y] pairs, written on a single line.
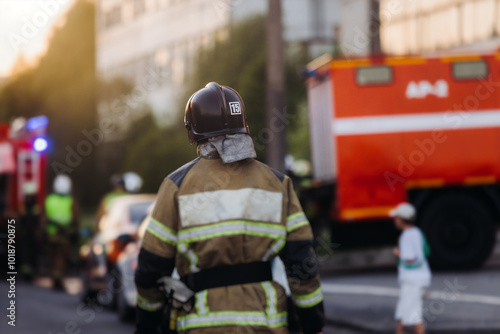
{"points": [[460, 230]]}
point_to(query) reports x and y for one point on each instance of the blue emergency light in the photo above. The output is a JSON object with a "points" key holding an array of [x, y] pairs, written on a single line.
{"points": [[37, 123], [40, 144]]}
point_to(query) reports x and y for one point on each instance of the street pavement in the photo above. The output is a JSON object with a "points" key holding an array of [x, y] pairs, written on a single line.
{"points": [[456, 302], [40, 310], [361, 292], [356, 301]]}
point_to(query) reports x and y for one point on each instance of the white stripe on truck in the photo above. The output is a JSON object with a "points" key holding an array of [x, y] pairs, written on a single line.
{"points": [[445, 120]]}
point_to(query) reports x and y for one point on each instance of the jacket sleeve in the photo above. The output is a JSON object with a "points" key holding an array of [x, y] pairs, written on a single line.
{"points": [[156, 258], [302, 266]]}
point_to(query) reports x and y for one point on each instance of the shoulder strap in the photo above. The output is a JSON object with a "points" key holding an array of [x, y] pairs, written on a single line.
{"points": [[279, 175], [178, 176], [427, 248]]}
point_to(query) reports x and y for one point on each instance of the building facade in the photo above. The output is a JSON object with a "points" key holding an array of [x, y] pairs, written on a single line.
{"points": [[152, 42], [431, 26]]}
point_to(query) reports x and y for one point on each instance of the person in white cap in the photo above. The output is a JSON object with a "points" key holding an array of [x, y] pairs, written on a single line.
{"points": [[413, 270]]}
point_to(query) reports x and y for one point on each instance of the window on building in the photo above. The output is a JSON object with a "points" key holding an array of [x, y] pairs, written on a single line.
{"points": [[468, 70], [373, 75]]}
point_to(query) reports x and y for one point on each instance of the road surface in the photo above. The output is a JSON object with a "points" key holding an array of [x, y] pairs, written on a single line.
{"points": [[365, 299], [458, 302], [40, 310], [359, 301]]}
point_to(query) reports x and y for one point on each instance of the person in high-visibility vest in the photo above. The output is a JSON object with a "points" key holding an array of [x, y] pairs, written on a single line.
{"points": [[220, 220], [61, 227], [118, 189]]}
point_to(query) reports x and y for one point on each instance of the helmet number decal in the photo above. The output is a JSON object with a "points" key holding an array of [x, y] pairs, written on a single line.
{"points": [[235, 108]]}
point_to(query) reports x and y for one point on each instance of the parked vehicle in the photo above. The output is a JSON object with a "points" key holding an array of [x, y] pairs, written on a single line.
{"points": [[116, 229], [425, 130], [23, 165], [126, 266]]}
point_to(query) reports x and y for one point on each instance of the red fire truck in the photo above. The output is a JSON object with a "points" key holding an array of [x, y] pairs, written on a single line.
{"points": [[424, 130], [23, 146]]}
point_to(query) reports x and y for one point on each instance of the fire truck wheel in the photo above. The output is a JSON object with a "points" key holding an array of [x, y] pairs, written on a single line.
{"points": [[460, 231]]}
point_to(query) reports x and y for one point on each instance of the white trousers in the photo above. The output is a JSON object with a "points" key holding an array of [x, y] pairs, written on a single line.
{"points": [[409, 307]]}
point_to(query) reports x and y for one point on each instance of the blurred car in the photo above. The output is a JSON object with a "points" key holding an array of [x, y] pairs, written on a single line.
{"points": [[126, 266], [115, 230]]}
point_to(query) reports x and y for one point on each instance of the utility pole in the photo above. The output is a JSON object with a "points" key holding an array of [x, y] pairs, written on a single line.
{"points": [[275, 135], [375, 47]]}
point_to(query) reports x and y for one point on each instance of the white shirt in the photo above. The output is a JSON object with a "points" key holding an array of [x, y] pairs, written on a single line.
{"points": [[411, 247]]}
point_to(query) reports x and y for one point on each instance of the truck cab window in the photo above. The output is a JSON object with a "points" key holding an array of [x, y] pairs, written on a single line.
{"points": [[469, 70], [373, 75]]}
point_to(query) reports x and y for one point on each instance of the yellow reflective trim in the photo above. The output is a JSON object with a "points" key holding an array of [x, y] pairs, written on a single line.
{"points": [[309, 300], [474, 180], [162, 232], [295, 221], [425, 183], [148, 305], [367, 212], [405, 61], [295, 215], [201, 302], [350, 63], [451, 59], [270, 230], [271, 298], [231, 318]]}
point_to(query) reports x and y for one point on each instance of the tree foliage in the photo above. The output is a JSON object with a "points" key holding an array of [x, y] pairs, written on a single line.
{"points": [[155, 152], [62, 87]]}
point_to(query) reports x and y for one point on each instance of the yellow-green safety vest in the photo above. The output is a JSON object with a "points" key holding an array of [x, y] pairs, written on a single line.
{"points": [[59, 210], [111, 196]]}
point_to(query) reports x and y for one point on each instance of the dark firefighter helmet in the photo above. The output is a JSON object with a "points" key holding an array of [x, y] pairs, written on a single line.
{"points": [[213, 111]]}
